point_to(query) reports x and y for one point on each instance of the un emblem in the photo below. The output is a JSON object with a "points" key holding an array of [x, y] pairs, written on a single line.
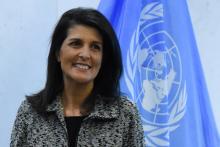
{"points": [[154, 67]]}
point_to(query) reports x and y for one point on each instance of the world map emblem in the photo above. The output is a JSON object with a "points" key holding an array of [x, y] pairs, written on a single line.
{"points": [[153, 75]]}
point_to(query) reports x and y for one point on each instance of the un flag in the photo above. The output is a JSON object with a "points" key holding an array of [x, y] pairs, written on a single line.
{"points": [[162, 71]]}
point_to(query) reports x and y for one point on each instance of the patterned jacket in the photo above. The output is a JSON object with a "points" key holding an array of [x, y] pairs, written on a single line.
{"points": [[109, 125]]}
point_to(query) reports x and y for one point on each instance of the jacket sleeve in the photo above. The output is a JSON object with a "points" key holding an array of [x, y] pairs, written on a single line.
{"points": [[19, 131], [135, 136]]}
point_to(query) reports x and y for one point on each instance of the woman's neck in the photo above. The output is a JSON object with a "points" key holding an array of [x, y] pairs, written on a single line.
{"points": [[73, 97]]}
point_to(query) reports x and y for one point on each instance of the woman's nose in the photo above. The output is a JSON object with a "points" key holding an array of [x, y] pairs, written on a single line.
{"points": [[84, 52]]}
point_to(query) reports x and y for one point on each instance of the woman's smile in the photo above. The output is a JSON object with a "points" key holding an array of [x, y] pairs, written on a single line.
{"points": [[82, 66]]}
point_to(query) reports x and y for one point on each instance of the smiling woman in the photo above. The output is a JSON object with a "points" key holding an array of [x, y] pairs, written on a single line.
{"points": [[81, 104], [80, 58], [81, 55]]}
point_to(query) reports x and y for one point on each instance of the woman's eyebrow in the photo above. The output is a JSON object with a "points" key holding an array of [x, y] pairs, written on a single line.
{"points": [[74, 38], [97, 42]]}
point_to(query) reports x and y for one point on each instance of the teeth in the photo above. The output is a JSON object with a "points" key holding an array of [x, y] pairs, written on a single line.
{"points": [[82, 66]]}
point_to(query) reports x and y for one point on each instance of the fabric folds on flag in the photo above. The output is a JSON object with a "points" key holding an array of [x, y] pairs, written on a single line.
{"points": [[162, 71]]}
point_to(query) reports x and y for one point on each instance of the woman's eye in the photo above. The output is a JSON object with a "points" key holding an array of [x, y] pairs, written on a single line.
{"points": [[75, 44], [96, 47]]}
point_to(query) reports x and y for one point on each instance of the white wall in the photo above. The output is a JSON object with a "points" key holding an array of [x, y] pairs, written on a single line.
{"points": [[25, 30], [205, 16]]}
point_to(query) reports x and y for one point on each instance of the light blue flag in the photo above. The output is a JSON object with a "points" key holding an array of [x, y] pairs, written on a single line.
{"points": [[162, 71]]}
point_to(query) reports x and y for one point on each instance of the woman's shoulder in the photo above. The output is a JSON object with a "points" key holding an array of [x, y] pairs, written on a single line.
{"points": [[24, 108], [127, 105], [25, 105], [24, 114], [124, 100]]}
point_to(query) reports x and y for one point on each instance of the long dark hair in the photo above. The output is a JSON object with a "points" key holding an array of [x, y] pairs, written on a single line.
{"points": [[106, 83]]}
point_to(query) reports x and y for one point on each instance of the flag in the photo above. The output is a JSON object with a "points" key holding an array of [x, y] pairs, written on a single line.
{"points": [[162, 71]]}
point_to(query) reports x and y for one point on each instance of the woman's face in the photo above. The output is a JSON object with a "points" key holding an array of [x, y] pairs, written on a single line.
{"points": [[81, 54]]}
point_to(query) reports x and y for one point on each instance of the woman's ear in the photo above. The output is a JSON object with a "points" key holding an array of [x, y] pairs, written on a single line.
{"points": [[58, 56]]}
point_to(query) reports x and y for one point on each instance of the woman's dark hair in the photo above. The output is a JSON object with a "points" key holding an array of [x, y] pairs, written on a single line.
{"points": [[106, 83]]}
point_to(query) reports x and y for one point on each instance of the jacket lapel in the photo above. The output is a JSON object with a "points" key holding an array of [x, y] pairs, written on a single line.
{"points": [[103, 110], [57, 107]]}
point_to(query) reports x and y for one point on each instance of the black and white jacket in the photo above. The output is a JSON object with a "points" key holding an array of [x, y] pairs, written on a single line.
{"points": [[109, 125]]}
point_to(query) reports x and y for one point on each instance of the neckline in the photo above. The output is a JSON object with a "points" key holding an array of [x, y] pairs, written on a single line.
{"points": [[83, 116]]}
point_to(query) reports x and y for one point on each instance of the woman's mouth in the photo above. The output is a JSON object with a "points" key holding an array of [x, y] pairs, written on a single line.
{"points": [[82, 66]]}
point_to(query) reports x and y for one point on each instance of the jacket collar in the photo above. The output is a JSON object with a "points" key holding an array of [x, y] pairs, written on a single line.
{"points": [[101, 110], [105, 110], [56, 105]]}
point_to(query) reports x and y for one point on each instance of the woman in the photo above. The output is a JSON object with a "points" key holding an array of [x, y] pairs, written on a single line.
{"points": [[81, 103]]}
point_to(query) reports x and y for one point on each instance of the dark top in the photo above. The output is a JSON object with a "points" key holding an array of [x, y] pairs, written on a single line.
{"points": [[73, 124]]}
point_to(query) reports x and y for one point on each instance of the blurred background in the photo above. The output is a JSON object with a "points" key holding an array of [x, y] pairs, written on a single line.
{"points": [[25, 31]]}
